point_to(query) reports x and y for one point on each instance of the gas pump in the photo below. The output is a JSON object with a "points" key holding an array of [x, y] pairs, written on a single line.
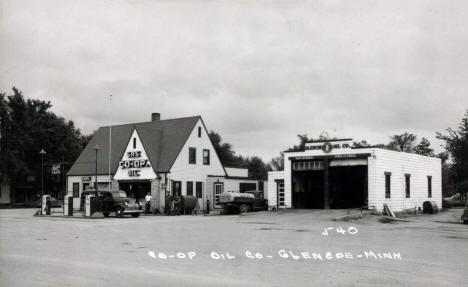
{"points": [[88, 209], [68, 205], [45, 209]]}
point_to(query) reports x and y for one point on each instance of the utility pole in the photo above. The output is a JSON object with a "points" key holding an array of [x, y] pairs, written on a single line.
{"points": [[42, 153], [96, 148]]}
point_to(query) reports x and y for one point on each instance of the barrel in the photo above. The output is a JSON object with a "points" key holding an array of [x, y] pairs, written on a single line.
{"points": [[430, 207], [189, 203]]}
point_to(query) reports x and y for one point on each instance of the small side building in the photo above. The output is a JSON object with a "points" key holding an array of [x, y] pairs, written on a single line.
{"points": [[237, 180], [331, 174]]}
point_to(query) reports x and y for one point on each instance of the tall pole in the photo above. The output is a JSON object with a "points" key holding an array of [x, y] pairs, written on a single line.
{"points": [[110, 139], [95, 174], [96, 148], [42, 153], [42, 176]]}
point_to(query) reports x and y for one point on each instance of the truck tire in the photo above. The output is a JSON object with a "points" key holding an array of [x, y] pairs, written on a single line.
{"points": [[243, 208], [106, 214]]}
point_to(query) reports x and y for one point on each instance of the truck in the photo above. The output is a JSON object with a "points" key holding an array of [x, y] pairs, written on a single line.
{"points": [[237, 202]]}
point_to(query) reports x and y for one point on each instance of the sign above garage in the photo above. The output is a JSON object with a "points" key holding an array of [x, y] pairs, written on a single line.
{"points": [[333, 156], [328, 145]]}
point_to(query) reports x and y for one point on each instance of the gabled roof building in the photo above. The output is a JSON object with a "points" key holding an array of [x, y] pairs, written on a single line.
{"points": [[160, 156]]}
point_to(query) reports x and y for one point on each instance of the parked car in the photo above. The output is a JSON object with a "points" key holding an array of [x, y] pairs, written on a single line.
{"points": [[237, 202], [118, 202], [453, 201]]}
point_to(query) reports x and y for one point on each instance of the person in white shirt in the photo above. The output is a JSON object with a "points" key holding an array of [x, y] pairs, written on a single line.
{"points": [[148, 202]]}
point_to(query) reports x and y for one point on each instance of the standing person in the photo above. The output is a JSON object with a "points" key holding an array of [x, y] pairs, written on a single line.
{"points": [[168, 206], [48, 205], [197, 206], [148, 202], [176, 204]]}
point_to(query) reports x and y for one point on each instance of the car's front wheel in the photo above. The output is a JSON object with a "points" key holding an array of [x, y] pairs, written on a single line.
{"points": [[135, 214], [119, 211]]}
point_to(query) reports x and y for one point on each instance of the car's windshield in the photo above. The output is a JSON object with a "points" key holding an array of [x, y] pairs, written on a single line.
{"points": [[119, 193]]}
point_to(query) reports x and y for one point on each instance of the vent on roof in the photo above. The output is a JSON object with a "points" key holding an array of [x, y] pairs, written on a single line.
{"points": [[155, 117]]}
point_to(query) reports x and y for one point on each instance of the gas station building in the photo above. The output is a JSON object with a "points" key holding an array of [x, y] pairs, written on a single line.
{"points": [[331, 174]]}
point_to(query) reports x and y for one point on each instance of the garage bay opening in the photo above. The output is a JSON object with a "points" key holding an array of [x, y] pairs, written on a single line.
{"points": [[329, 183], [348, 186]]}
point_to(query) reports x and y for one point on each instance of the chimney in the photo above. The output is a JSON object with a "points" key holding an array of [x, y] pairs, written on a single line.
{"points": [[155, 117]]}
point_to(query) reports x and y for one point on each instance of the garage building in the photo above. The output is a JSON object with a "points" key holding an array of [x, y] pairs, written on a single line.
{"points": [[331, 174]]}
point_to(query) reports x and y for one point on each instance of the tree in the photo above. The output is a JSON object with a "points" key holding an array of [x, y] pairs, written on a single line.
{"points": [[404, 142], [448, 187], [303, 139], [257, 168], [456, 144], [224, 150], [361, 144], [27, 125], [277, 163], [424, 148]]}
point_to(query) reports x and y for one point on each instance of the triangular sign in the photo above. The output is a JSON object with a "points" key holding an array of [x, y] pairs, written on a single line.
{"points": [[135, 164]]}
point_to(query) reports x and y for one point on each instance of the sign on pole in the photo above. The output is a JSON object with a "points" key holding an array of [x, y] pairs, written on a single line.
{"points": [[55, 169]]}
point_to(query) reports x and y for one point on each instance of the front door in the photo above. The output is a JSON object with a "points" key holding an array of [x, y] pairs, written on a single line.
{"points": [[217, 190], [176, 188], [279, 194]]}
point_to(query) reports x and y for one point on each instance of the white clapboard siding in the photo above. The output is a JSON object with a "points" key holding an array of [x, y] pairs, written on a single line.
{"points": [[399, 164], [287, 182], [381, 161], [183, 171], [272, 177]]}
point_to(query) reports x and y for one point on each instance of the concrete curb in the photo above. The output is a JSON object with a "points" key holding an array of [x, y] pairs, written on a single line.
{"points": [[70, 217]]}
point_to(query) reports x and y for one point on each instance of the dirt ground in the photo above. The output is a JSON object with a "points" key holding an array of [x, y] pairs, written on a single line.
{"points": [[262, 249]]}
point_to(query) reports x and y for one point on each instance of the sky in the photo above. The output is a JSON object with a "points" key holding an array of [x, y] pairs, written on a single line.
{"points": [[258, 72]]}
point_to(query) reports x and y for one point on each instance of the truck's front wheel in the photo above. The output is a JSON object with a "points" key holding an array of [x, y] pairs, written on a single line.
{"points": [[243, 208]]}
